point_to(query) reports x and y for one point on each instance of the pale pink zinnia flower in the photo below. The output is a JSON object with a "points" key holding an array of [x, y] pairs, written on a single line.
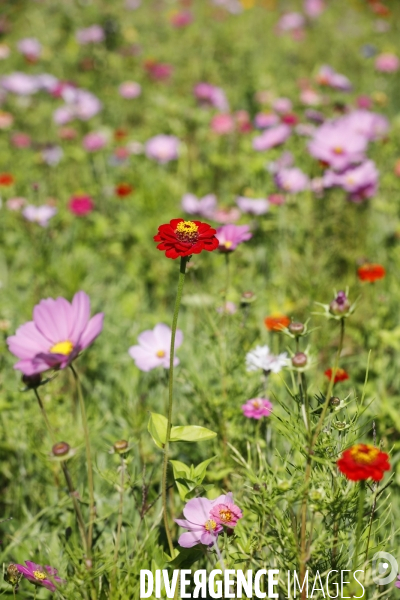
{"points": [[130, 90], [60, 330], [94, 141], [154, 346], [387, 63], [223, 124], [162, 148], [230, 236], [225, 512], [30, 48], [257, 408], [90, 35]]}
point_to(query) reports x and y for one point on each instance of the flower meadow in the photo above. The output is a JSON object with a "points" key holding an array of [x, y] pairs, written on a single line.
{"points": [[199, 293]]}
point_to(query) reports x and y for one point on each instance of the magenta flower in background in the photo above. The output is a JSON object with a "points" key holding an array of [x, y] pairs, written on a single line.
{"points": [[225, 512], [291, 21], [264, 120], [162, 148], [30, 48], [284, 161], [277, 199], [329, 77], [369, 124], [272, 137], [81, 204], [94, 141], [203, 529], [90, 35], [158, 71], [79, 104], [154, 348], [310, 97], [292, 180], [223, 124], [334, 144], [253, 206], [229, 308], [211, 95], [130, 89], [181, 18], [313, 8], [15, 204], [52, 155], [19, 83], [282, 105], [226, 214], [387, 63], [230, 236], [45, 576], [257, 408], [60, 330], [364, 102], [204, 207], [21, 140], [39, 214]]}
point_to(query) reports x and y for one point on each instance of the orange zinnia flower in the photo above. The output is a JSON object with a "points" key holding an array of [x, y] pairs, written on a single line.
{"points": [[371, 272], [363, 461], [123, 189], [6, 179], [340, 375], [276, 322]]}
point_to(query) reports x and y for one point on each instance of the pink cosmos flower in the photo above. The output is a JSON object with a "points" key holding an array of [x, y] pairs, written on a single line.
{"points": [[225, 512], [45, 576], [158, 71], [203, 207], [335, 145], [90, 35], [253, 206], [15, 204], [181, 18], [387, 63], [21, 140], [257, 408], [223, 124], [30, 48], [19, 83], [211, 95], [284, 161], [264, 120], [162, 148], [230, 236], [282, 105], [292, 180], [94, 141], [226, 214], [60, 330], [130, 89], [272, 137], [276, 199], [328, 76], [230, 308], [243, 122], [39, 214], [371, 125], [361, 182], [313, 8], [202, 528], [154, 348], [291, 21], [81, 205], [310, 97]]}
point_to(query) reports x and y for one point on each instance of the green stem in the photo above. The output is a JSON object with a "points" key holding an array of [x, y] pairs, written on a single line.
{"points": [[182, 272], [360, 516], [45, 417], [371, 517], [92, 510], [120, 514]]}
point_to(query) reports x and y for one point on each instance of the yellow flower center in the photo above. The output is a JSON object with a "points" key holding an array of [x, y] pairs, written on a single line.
{"points": [[62, 348], [225, 515], [39, 575], [160, 353], [256, 404], [338, 150], [364, 454], [228, 245], [210, 525], [187, 231]]}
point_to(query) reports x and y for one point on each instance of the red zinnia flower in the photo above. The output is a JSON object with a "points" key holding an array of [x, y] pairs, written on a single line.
{"points": [[123, 189], [184, 238], [340, 375], [6, 179], [371, 272], [120, 134], [276, 322], [363, 461]]}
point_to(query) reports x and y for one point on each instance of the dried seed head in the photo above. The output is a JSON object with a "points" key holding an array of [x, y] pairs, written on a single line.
{"points": [[121, 446], [299, 360], [296, 328]]}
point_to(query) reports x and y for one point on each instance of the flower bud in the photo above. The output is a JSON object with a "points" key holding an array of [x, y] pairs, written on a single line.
{"points": [[299, 360], [296, 328], [60, 449], [334, 401], [32, 381], [12, 575], [340, 305], [340, 425], [247, 297], [121, 446]]}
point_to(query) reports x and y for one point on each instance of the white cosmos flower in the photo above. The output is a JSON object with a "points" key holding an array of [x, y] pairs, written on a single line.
{"points": [[262, 358]]}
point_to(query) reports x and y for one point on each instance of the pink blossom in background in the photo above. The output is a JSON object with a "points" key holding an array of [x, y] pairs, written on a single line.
{"points": [[130, 90], [181, 18], [202, 529], [257, 408], [310, 97], [162, 148], [211, 95], [204, 207], [336, 146], [90, 35], [153, 349], [19, 83], [369, 124], [284, 161], [329, 77], [264, 120], [314, 115], [230, 236], [15, 204], [79, 104], [31, 48], [20, 140], [94, 141], [291, 21], [364, 102], [277, 199], [158, 71], [60, 330], [230, 308], [314, 8], [223, 124], [225, 512], [253, 206], [39, 214], [81, 204], [282, 105], [387, 63], [361, 182], [52, 155], [4, 51], [306, 129], [226, 215], [6, 120], [292, 180], [243, 122], [275, 136]]}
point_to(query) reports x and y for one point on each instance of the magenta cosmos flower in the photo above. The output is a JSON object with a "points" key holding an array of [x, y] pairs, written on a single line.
{"points": [[154, 347], [60, 330], [275, 136], [361, 182], [81, 204], [230, 236], [162, 148], [94, 141], [225, 512], [45, 576], [210, 95], [292, 180], [256, 408], [369, 124], [334, 144], [329, 77]]}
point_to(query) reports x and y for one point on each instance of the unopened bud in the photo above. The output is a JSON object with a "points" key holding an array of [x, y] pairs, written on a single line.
{"points": [[32, 381], [88, 563], [340, 304], [121, 446], [296, 328], [12, 575], [299, 360], [60, 449], [247, 297], [334, 401], [340, 425]]}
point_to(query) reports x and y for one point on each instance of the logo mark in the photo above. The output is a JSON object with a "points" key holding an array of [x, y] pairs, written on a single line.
{"points": [[384, 568]]}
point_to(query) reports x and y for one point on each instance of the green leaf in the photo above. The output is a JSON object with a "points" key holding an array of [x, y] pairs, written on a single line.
{"points": [[191, 433], [187, 557], [157, 428], [200, 470], [180, 469]]}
